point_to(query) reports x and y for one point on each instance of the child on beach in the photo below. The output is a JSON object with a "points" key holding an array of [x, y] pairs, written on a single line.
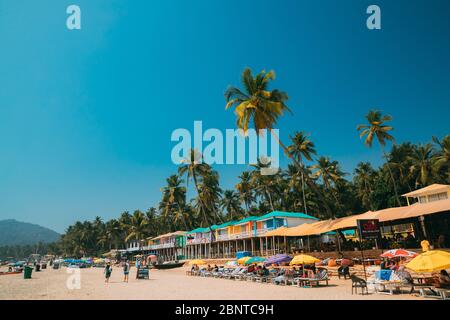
{"points": [[108, 270], [126, 271]]}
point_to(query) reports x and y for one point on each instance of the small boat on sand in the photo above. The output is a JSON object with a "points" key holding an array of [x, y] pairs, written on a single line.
{"points": [[9, 272], [168, 265]]}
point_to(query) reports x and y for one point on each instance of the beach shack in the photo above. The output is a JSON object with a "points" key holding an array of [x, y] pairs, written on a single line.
{"points": [[426, 217], [244, 235], [169, 246]]}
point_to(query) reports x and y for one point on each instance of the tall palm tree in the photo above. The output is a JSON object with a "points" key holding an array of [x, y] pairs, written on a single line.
{"points": [[263, 106], [422, 164], [244, 187], [230, 204], [137, 229], [211, 193], [264, 186], [364, 179], [377, 129], [442, 157], [194, 168], [113, 231], [330, 174], [300, 148], [154, 225], [174, 200], [400, 163]]}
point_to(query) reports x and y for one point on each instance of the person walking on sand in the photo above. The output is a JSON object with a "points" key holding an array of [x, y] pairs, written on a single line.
{"points": [[108, 271], [126, 271]]}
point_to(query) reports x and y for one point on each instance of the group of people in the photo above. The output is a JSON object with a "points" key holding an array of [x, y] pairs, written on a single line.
{"points": [[439, 280], [125, 267]]}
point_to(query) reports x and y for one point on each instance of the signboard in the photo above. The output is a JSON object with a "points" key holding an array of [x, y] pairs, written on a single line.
{"points": [[368, 229]]}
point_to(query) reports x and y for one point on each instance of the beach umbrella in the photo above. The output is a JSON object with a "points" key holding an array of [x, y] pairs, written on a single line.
{"points": [[397, 253], [232, 263], [277, 259], [430, 261], [303, 259], [243, 260], [197, 261], [254, 260]]}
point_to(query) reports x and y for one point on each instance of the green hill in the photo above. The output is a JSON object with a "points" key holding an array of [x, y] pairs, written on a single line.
{"points": [[13, 232]]}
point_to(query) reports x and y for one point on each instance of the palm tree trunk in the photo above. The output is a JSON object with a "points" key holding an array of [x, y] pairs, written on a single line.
{"points": [[269, 197], [392, 177], [202, 206], [303, 189]]}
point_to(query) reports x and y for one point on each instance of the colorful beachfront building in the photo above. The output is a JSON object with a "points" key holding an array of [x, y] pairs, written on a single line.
{"points": [[167, 247], [248, 234]]}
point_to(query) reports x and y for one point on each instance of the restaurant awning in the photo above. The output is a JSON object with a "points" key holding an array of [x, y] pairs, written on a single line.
{"points": [[431, 189], [385, 215]]}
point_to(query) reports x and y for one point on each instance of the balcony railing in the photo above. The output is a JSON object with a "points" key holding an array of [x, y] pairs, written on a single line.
{"points": [[162, 246], [241, 235], [198, 241], [222, 237], [262, 232]]}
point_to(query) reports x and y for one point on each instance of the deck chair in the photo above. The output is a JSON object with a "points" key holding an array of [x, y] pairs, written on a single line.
{"points": [[321, 276], [357, 282], [343, 271]]}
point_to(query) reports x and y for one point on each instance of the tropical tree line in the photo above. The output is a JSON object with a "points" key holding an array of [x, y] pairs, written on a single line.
{"points": [[311, 183]]}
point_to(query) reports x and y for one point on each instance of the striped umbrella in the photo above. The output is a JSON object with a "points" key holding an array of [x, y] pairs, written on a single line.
{"points": [[397, 253]]}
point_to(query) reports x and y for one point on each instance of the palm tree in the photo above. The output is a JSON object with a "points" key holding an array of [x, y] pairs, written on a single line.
{"points": [[174, 200], [377, 129], [230, 204], [245, 190], [364, 179], [137, 228], [400, 163], [154, 225], [264, 185], [194, 168], [330, 174], [211, 193], [113, 230], [264, 107], [442, 157], [422, 164], [125, 221], [300, 148]]}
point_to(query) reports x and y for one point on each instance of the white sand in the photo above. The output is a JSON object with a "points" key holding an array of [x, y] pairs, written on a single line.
{"points": [[165, 285]]}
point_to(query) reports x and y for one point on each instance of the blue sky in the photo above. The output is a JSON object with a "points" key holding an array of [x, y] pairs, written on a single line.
{"points": [[86, 116]]}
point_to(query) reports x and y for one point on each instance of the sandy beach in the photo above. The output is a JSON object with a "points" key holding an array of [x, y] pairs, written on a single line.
{"points": [[51, 284]]}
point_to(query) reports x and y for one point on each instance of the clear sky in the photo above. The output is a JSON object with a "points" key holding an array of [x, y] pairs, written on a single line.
{"points": [[86, 115]]}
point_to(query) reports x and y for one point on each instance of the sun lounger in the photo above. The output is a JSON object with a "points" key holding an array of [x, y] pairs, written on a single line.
{"points": [[261, 279], [321, 277], [437, 293], [240, 276]]}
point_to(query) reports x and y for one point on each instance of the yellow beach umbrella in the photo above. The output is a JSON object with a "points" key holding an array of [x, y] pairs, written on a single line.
{"points": [[197, 261], [303, 259], [430, 261], [243, 260]]}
